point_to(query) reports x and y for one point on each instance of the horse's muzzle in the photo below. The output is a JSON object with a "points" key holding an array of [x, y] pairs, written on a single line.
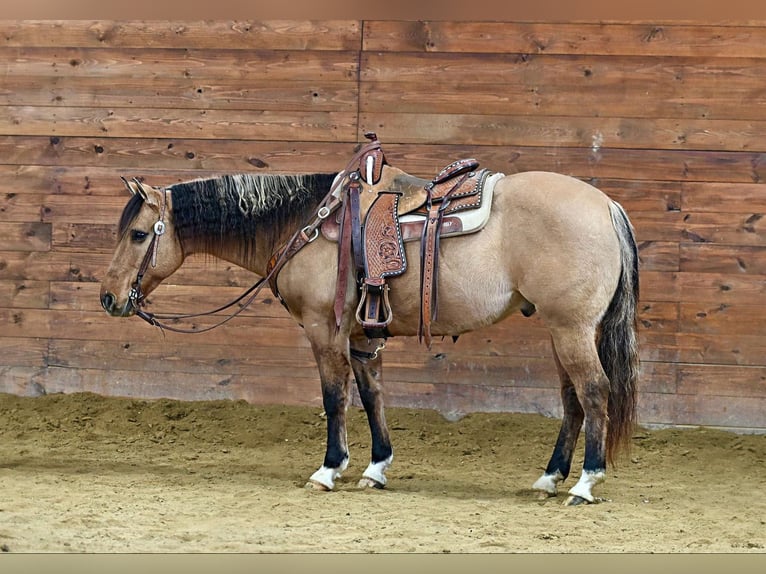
{"points": [[109, 303]]}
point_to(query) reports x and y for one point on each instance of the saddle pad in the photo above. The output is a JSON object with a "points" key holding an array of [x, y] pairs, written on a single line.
{"points": [[458, 223]]}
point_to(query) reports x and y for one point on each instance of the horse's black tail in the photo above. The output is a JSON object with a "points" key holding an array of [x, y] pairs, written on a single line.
{"points": [[618, 340]]}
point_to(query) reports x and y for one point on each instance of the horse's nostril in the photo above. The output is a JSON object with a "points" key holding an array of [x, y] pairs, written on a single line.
{"points": [[107, 301]]}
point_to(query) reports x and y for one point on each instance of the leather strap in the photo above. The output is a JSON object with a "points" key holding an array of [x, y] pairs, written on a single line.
{"points": [[344, 263], [428, 268], [429, 260]]}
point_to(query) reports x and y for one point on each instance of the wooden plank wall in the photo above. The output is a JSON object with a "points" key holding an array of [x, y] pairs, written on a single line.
{"points": [[669, 119]]}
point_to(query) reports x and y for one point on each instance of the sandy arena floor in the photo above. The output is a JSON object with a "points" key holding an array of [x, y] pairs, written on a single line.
{"points": [[84, 473]]}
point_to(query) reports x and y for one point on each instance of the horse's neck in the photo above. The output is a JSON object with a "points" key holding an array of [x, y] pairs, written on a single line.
{"points": [[260, 248]]}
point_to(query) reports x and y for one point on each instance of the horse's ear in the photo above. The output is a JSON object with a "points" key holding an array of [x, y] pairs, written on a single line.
{"points": [[145, 191], [130, 187]]}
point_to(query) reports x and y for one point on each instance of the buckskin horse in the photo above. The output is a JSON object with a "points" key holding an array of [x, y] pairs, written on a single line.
{"points": [[550, 244]]}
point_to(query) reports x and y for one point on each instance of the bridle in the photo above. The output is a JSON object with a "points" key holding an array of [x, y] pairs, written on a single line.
{"points": [[135, 296], [305, 235]]}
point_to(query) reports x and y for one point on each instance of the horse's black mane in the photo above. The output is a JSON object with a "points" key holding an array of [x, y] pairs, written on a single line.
{"points": [[226, 210]]}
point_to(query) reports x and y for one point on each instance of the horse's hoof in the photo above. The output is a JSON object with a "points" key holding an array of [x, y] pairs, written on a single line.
{"points": [[544, 494], [366, 482], [316, 486], [575, 500]]}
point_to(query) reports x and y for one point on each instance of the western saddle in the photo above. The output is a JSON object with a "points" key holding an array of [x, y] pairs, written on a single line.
{"points": [[376, 211]]}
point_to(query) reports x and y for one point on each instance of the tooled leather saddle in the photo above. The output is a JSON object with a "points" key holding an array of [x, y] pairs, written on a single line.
{"points": [[372, 209], [385, 208]]}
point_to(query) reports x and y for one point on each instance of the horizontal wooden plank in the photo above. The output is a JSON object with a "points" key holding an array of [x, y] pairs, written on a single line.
{"points": [[641, 195], [91, 266], [453, 401], [666, 226], [142, 384], [234, 35], [722, 318], [227, 156], [659, 256], [19, 180], [727, 289], [723, 197], [25, 236], [167, 298], [178, 123], [723, 381], [181, 357], [81, 325], [725, 228], [23, 352], [568, 131], [606, 38], [24, 294], [733, 348], [659, 285], [546, 69], [146, 63], [20, 207], [658, 316], [702, 410], [728, 259], [667, 165], [103, 211], [84, 236], [132, 155], [626, 97], [717, 228], [247, 93]]}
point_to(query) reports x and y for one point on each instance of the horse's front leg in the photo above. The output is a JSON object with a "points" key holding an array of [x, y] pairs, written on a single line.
{"points": [[334, 372], [367, 363]]}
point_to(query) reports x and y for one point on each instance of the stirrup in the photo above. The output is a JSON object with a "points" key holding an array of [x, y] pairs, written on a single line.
{"points": [[376, 306]]}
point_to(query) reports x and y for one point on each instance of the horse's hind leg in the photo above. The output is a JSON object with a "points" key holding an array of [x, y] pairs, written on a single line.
{"points": [[577, 354], [561, 461], [366, 361]]}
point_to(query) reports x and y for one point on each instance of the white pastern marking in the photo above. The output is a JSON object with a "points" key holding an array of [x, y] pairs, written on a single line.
{"points": [[326, 476], [587, 481], [377, 470], [548, 482]]}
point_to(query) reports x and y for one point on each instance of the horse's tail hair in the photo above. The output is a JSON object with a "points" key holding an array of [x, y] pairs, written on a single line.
{"points": [[618, 341]]}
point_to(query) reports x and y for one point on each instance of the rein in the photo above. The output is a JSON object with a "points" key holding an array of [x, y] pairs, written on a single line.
{"points": [[297, 241]]}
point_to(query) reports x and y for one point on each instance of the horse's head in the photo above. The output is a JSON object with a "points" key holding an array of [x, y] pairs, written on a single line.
{"points": [[148, 250]]}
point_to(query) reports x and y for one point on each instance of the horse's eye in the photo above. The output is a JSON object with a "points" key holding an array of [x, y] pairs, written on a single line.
{"points": [[138, 236]]}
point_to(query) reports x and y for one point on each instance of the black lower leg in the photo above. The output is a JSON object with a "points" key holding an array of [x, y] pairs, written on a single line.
{"points": [[597, 395], [367, 375], [561, 460], [334, 401]]}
